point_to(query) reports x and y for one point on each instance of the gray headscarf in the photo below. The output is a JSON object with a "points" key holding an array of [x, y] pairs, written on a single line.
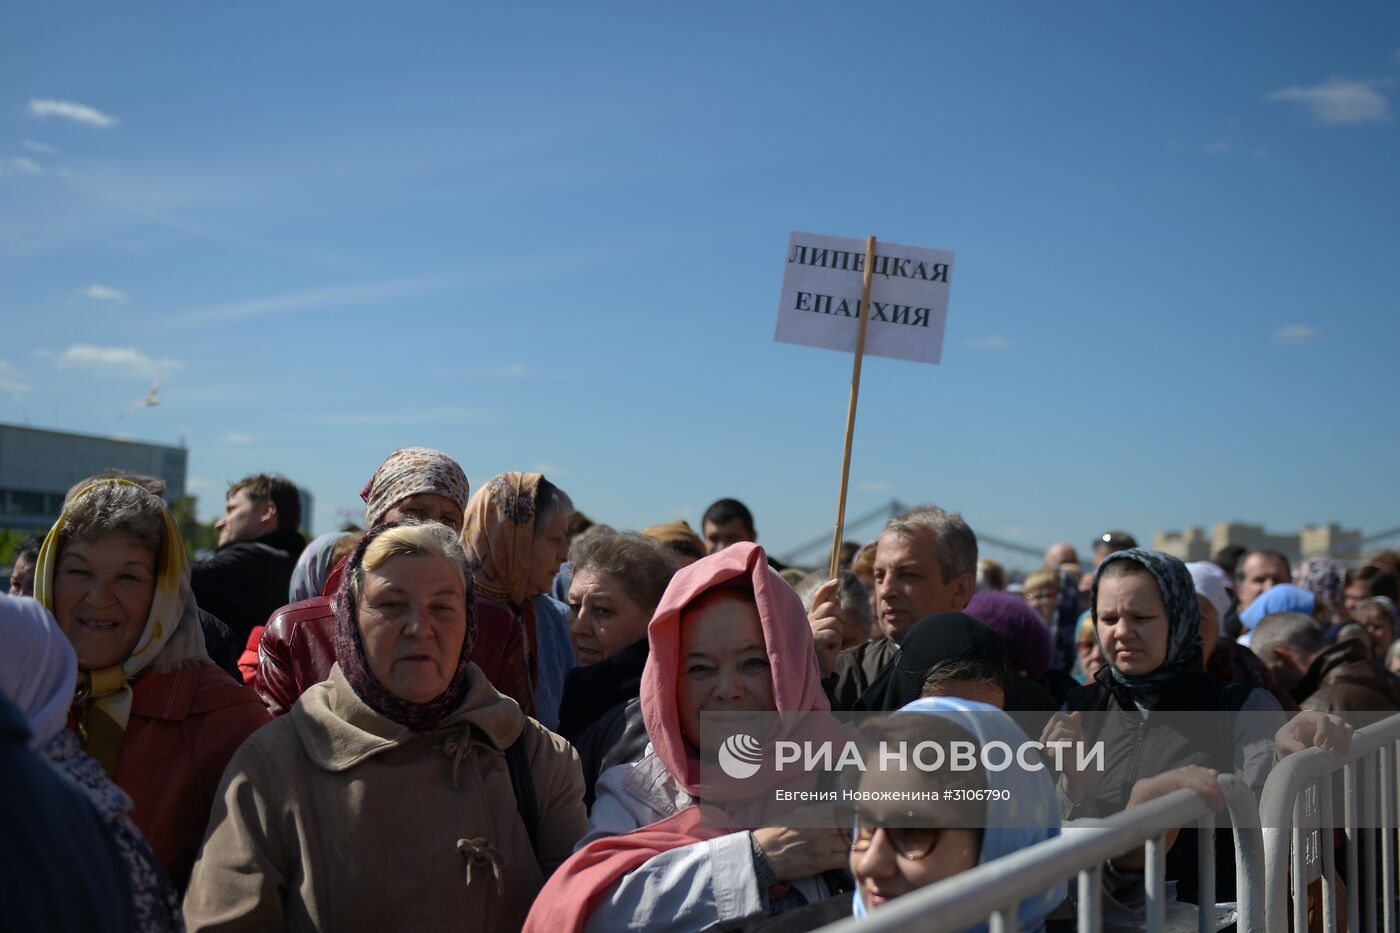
{"points": [[1183, 618], [313, 567]]}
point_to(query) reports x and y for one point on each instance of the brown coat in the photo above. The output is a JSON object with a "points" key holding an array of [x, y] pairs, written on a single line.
{"points": [[1345, 678], [335, 818]]}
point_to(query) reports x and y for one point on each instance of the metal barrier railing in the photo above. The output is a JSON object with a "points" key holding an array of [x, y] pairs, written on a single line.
{"points": [[992, 891], [1296, 812]]}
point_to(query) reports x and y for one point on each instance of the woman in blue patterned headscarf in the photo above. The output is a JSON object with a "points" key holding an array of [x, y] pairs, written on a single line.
{"points": [[889, 857]]}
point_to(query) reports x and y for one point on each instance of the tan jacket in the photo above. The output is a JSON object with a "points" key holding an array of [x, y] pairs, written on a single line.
{"points": [[335, 818]]}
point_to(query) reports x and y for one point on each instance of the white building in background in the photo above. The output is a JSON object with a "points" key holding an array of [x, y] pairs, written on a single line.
{"points": [[1327, 540], [38, 467]]}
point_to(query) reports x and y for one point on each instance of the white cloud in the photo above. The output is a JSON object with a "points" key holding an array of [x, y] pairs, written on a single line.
{"points": [[12, 380], [993, 342], [875, 486], [79, 113], [113, 361], [1296, 333], [549, 470], [418, 416], [1339, 101], [106, 293], [19, 165], [1219, 147], [237, 438], [44, 148], [312, 299]]}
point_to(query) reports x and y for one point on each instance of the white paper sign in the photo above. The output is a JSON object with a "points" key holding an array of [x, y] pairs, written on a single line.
{"points": [[908, 297]]}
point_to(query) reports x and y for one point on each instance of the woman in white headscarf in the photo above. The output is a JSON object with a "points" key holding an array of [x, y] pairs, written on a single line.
{"points": [[38, 670]]}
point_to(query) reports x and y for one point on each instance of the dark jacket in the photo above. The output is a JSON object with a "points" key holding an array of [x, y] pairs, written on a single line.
{"points": [[592, 715], [220, 642], [1138, 747], [1233, 663], [1345, 678], [60, 868], [246, 582], [298, 648], [856, 669]]}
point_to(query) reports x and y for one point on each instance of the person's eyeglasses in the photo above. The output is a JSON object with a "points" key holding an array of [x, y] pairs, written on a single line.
{"points": [[911, 842]]}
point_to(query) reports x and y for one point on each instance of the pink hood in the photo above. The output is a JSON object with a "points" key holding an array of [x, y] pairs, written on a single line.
{"points": [[787, 635]]}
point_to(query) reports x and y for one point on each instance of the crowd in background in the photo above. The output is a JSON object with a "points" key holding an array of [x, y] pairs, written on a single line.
{"points": [[484, 705]]}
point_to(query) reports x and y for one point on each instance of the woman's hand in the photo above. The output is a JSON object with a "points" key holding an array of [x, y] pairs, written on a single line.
{"points": [[1314, 730], [1069, 728], [828, 621], [799, 853], [1204, 781]]}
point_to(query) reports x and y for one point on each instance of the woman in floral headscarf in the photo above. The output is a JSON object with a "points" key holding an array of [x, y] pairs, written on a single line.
{"points": [[515, 532], [150, 705]]}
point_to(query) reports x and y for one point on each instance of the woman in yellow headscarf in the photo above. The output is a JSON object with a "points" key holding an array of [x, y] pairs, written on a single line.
{"points": [[150, 705]]}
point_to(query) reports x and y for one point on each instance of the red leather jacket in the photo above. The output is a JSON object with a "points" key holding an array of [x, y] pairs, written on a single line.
{"points": [[298, 649]]}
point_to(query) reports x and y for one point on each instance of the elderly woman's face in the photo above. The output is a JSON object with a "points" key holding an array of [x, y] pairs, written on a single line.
{"points": [[102, 593], [551, 549], [426, 507], [1132, 623], [724, 661], [413, 622], [603, 619]]}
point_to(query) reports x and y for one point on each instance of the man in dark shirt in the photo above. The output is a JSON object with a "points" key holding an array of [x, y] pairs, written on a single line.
{"points": [[248, 579]]}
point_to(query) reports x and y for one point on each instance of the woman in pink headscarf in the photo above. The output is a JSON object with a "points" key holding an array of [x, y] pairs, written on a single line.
{"points": [[729, 638]]}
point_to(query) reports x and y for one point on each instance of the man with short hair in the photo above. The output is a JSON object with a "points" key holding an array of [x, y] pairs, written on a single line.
{"points": [[1059, 554], [1110, 542], [729, 521], [1260, 570], [926, 563], [726, 522], [1331, 679], [1368, 582], [259, 543], [26, 560]]}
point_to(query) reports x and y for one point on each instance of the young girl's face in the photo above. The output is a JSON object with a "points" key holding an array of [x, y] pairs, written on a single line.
{"points": [[890, 861]]}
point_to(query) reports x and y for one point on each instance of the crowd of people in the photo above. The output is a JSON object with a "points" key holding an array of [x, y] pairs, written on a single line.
{"points": [[482, 707]]}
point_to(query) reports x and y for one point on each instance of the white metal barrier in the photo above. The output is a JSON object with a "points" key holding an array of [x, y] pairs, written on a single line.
{"points": [[992, 891], [1296, 813]]}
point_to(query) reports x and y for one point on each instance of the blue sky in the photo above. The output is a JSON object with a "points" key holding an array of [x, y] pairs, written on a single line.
{"points": [[552, 237]]}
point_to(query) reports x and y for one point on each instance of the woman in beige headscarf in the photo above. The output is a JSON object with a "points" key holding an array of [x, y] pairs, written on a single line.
{"points": [[150, 706], [515, 533]]}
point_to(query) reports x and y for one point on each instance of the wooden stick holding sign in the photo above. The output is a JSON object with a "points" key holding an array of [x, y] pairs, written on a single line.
{"points": [[900, 314], [867, 276]]}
